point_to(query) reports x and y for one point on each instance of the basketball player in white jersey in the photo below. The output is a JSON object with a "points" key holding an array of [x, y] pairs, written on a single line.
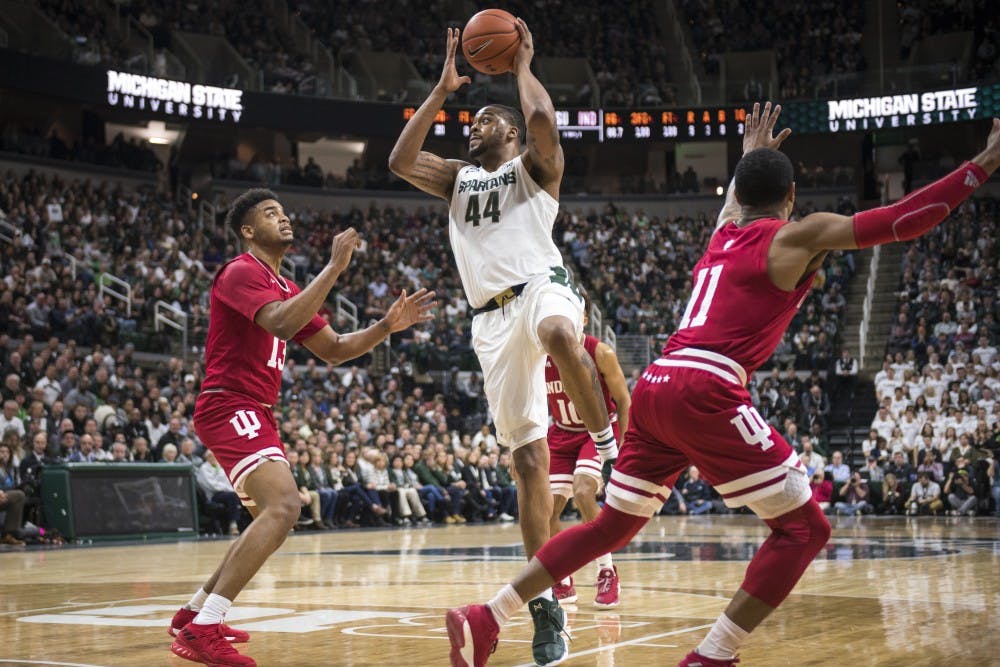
{"points": [[502, 209]]}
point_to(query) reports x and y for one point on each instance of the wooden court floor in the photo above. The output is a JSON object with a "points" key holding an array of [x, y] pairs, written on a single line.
{"points": [[900, 592]]}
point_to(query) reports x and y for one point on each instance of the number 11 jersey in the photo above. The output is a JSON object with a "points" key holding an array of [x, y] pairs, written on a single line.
{"points": [[500, 227], [735, 310]]}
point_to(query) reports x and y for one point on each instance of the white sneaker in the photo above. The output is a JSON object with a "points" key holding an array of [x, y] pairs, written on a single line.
{"points": [[505, 517]]}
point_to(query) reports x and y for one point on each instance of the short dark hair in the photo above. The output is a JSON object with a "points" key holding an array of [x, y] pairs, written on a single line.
{"points": [[764, 177], [236, 217], [512, 116], [582, 291]]}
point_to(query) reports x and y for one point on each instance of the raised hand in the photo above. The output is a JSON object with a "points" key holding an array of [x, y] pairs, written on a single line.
{"points": [[410, 310], [758, 128], [526, 49], [450, 80], [344, 245]]}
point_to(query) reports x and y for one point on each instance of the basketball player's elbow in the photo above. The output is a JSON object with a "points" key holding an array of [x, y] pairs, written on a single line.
{"points": [[398, 164]]}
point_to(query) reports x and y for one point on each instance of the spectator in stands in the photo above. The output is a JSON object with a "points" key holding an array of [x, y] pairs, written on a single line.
{"points": [[925, 497], [696, 493], [839, 471], [931, 466], [214, 483], [854, 496], [822, 489], [308, 495], [9, 419], [187, 453], [12, 499], [960, 493], [893, 497]]}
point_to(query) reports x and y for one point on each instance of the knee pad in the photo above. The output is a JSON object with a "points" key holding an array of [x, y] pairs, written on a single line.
{"points": [[806, 525]]}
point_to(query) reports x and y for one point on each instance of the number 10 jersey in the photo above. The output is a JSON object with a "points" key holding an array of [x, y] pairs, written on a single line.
{"points": [[500, 227]]}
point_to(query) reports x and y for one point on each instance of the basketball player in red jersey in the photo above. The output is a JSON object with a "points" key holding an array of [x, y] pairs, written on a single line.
{"points": [[574, 465], [254, 312], [691, 405]]}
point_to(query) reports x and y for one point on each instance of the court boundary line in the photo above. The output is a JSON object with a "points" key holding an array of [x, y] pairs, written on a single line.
{"points": [[631, 642], [16, 661]]}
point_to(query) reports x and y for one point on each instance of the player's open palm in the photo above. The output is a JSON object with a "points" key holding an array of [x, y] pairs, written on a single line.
{"points": [[526, 47], [410, 309], [759, 128], [450, 80], [344, 245]]}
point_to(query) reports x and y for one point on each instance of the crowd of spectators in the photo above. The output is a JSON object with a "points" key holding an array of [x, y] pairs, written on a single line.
{"points": [[119, 152], [605, 34], [636, 266], [93, 38], [937, 388], [813, 41], [273, 172]]}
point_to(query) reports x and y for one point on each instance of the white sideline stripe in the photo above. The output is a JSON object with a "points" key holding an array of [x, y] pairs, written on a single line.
{"points": [[759, 477], [713, 356], [631, 642], [715, 370]]}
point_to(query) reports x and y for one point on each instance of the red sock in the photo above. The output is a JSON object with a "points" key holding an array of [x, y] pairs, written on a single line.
{"points": [[795, 540], [574, 547]]}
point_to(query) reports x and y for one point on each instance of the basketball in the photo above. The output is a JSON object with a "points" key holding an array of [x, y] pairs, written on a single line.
{"points": [[490, 41]]}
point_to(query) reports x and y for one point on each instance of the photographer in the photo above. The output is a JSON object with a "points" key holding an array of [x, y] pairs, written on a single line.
{"points": [[960, 493], [925, 497], [854, 493]]}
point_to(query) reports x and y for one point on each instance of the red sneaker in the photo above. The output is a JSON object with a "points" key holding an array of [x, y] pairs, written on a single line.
{"points": [[565, 593], [185, 616], [608, 588], [473, 633], [207, 645], [695, 659]]}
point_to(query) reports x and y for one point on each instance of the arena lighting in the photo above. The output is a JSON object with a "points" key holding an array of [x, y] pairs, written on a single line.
{"points": [[159, 141], [719, 190]]}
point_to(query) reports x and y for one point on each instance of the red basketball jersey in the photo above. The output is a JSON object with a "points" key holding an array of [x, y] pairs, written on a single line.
{"points": [[735, 310], [562, 410], [240, 355]]}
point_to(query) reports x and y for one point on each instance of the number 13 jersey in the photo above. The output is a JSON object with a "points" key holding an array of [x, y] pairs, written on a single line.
{"points": [[735, 310], [500, 226]]}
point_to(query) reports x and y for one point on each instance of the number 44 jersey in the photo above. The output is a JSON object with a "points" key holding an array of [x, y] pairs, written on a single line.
{"points": [[735, 310], [500, 226]]}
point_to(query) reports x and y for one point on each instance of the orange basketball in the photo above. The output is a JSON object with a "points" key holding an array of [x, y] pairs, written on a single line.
{"points": [[490, 41]]}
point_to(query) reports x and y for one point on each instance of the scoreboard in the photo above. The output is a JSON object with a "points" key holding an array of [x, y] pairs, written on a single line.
{"points": [[722, 123], [614, 125]]}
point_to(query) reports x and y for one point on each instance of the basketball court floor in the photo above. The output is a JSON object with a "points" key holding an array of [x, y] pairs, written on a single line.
{"points": [[886, 591]]}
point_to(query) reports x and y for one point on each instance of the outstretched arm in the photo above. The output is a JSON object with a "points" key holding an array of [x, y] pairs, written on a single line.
{"points": [[757, 133], [544, 159], [431, 173], [334, 348], [909, 218]]}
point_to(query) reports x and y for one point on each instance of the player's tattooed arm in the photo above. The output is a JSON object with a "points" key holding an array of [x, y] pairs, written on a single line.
{"points": [[432, 174], [544, 159]]}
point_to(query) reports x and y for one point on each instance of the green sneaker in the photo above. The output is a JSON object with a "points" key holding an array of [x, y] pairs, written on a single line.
{"points": [[548, 645]]}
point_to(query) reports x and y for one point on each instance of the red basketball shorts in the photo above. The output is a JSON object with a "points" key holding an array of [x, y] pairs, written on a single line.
{"points": [[572, 453], [694, 409], [240, 432]]}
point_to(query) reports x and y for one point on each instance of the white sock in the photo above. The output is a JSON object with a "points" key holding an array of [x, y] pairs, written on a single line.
{"points": [[604, 562], [213, 611], [545, 595], [567, 581], [505, 604], [605, 442], [723, 640], [198, 600]]}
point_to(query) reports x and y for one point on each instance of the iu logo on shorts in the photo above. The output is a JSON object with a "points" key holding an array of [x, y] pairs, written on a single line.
{"points": [[246, 423], [752, 427]]}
